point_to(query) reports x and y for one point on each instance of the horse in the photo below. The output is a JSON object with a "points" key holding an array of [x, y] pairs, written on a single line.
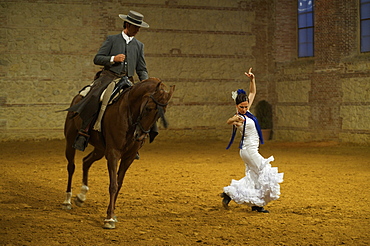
{"points": [[125, 126]]}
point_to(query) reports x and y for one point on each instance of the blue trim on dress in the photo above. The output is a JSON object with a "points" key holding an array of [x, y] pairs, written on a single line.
{"points": [[258, 128]]}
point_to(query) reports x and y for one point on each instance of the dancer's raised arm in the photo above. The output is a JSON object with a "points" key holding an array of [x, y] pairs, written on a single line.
{"points": [[252, 87]]}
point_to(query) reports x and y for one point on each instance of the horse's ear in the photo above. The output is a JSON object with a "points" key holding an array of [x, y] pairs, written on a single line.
{"points": [[172, 89], [158, 86]]}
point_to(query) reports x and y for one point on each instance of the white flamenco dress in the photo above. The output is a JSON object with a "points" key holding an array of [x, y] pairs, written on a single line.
{"points": [[261, 182]]}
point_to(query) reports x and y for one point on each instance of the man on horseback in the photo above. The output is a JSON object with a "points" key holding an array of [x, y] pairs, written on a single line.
{"points": [[121, 55]]}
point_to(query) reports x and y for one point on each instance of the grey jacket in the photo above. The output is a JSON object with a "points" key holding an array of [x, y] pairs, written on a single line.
{"points": [[116, 44]]}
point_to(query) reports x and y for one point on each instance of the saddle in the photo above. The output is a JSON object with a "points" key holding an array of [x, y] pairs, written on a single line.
{"points": [[110, 95], [120, 85]]}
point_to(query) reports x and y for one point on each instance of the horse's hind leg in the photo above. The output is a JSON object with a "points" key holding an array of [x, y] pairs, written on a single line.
{"points": [[70, 133], [88, 160], [70, 156]]}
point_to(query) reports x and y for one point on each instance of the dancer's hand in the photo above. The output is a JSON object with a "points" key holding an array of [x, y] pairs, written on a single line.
{"points": [[237, 120], [249, 74]]}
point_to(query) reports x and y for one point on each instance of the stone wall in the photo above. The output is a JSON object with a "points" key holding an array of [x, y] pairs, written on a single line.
{"points": [[202, 47]]}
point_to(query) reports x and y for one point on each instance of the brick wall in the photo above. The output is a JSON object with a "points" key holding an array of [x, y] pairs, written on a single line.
{"points": [[203, 47], [325, 97]]}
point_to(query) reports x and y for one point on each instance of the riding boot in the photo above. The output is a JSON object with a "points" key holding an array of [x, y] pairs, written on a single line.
{"points": [[82, 140]]}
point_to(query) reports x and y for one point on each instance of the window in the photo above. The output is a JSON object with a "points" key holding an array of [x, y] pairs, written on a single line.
{"points": [[365, 25], [305, 28]]}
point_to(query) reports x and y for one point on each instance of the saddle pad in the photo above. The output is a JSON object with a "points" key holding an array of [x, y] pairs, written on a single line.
{"points": [[87, 89]]}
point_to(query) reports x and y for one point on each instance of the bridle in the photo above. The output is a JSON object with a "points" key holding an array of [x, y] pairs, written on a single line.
{"points": [[159, 114], [158, 103]]}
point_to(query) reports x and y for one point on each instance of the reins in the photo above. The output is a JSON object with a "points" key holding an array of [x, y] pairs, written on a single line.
{"points": [[138, 120], [160, 113], [158, 103]]}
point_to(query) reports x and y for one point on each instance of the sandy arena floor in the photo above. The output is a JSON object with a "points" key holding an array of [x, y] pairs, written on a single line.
{"points": [[171, 197]]}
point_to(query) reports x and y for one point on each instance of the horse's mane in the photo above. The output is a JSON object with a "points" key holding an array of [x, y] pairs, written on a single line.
{"points": [[148, 82], [148, 86], [154, 88]]}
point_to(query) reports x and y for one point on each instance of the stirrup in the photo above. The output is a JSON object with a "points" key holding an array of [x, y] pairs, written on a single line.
{"points": [[82, 140]]}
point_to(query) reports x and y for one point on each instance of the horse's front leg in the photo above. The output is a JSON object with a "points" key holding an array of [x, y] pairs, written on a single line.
{"points": [[112, 160], [123, 167]]}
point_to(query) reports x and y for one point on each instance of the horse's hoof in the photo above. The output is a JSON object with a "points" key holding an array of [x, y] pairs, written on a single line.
{"points": [[66, 206], [110, 223], [78, 201]]}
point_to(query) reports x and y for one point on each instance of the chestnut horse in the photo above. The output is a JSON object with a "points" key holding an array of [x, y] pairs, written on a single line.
{"points": [[125, 125]]}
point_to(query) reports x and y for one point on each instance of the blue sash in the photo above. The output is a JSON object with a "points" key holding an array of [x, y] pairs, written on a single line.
{"points": [[251, 116]]}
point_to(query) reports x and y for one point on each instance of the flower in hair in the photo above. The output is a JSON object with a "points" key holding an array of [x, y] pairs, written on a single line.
{"points": [[234, 94], [241, 91]]}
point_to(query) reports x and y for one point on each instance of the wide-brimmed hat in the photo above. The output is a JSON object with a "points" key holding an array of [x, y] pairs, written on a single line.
{"points": [[134, 18]]}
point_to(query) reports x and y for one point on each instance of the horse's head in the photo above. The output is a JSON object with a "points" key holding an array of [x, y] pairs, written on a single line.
{"points": [[154, 101]]}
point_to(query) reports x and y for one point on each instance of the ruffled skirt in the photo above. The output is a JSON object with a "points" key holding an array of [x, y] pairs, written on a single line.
{"points": [[259, 186]]}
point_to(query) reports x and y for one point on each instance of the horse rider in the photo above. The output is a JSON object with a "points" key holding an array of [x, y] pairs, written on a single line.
{"points": [[121, 55]]}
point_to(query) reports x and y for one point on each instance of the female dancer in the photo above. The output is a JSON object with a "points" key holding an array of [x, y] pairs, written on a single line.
{"points": [[261, 182]]}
